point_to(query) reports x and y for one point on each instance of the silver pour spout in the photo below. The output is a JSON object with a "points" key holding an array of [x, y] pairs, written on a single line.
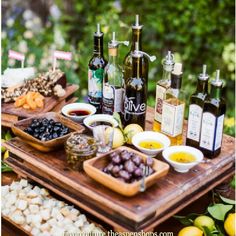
{"points": [[204, 75], [114, 43], [217, 81], [138, 53]]}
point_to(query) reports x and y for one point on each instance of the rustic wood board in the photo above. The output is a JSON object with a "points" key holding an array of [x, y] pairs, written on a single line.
{"points": [[49, 104], [144, 211]]}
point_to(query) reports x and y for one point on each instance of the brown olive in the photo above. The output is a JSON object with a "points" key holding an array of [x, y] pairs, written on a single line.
{"points": [[124, 174], [149, 161], [115, 170], [116, 159], [137, 160], [125, 156], [129, 166], [109, 167], [138, 172]]}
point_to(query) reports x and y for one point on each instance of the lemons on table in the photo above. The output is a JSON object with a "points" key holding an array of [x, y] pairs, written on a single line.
{"points": [[118, 137], [130, 130], [204, 221], [190, 231], [229, 225]]}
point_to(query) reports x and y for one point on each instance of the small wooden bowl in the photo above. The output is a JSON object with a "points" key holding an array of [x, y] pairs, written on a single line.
{"points": [[94, 167], [45, 146]]}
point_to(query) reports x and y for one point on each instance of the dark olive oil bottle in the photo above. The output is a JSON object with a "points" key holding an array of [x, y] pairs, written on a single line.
{"points": [[135, 101], [136, 37], [213, 120], [196, 108], [96, 71]]}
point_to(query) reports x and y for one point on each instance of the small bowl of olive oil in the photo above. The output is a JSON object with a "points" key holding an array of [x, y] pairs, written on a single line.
{"points": [[150, 143], [182, 158]]}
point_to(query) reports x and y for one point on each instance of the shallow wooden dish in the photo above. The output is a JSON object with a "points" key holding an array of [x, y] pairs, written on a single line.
{"points": [[45, 146], [94, 166]]}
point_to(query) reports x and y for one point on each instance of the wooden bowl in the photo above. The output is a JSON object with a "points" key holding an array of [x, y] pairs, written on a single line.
{"points": [[94, 167], [45, 146]]}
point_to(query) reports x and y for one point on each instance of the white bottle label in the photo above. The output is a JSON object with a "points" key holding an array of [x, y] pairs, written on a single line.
{"points": [[219, 132], [160, 96], [119, 93], [208, 131], [194, 122], [172, 119]]}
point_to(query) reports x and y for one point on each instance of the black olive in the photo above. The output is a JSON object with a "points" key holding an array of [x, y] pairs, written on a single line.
{"points": [[129, 166], [137, 160], [109, 167], [149, 161], [105, 170], [115, 170], [56, 128], [125, 156], [116, 159], [124, 174], [54, 135]]}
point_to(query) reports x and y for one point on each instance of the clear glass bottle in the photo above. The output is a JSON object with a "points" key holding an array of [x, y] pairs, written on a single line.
{"points": [[196, 108], [135, 101], [173, 108], [112, 100], [96, 71], [213, 120], [161, 88]]}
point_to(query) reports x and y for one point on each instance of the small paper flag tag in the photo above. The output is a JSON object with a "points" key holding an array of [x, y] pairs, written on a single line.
{"points": [[63, 55], [16, 55]]}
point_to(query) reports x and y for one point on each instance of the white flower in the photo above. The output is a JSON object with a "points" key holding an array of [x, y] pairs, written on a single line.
{"points": [[23, 46], [4, 34], [27, 15], [36, 21], [55, 12], [31, 59], [58, 38], [29, 24], [28, 34], [117, 5], [11, 62], [10, 22]]}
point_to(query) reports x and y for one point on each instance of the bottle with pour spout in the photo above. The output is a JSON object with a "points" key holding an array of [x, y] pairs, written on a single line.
{"points": [[128, 62], [196, 108], [113, 80], [96, 71], [135, 99], [161, 88], [213, 120]]}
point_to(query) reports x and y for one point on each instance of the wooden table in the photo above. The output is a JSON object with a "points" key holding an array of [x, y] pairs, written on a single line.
{"points": [[142, 212]]}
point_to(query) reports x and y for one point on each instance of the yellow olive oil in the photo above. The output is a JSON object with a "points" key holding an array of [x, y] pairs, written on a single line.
{"points": [[182, 157], [151, 144]]}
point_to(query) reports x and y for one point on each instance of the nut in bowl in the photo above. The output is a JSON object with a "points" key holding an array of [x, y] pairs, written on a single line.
{"points": [[100, 119], [151, 143], [78, 111], [182, 158]]}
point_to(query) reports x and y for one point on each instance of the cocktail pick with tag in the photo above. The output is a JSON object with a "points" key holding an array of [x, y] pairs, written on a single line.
{"points": [[17, 56], [61, 55]]}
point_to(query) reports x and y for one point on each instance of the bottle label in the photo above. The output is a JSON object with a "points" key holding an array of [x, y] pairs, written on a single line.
{"points": [[172, 119], [131, 107], [219, 132], [160, 96], [194, 122], [95, 80], [208, 131], [112, 99]]}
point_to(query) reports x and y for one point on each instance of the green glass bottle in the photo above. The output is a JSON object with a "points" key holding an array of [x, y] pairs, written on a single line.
{"points": [[96, 72], [136, 37], [213, 120], [196, 108], [113, 80], [135, 101]]}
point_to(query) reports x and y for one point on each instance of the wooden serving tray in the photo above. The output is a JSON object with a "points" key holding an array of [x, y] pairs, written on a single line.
{"points": [[141, 212], [49, 104], [94, 167]]}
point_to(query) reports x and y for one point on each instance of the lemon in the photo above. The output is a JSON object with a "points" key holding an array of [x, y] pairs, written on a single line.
{"points": [[130, 130], [190, 231], [229, 224], [6, 155], [206, 221], [3, 149], [118, 137]]}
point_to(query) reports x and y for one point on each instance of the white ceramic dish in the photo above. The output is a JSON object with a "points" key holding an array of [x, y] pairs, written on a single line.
{"points": [[182, 167], [78, 106], [150, 135], [99, 118]]}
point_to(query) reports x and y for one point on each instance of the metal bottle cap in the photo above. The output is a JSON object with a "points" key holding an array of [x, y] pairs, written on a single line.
{"points": [[137, 53], [114, 43], [137, 25], [203, 75], [98, 33], [168, 62], [217, 81]]}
